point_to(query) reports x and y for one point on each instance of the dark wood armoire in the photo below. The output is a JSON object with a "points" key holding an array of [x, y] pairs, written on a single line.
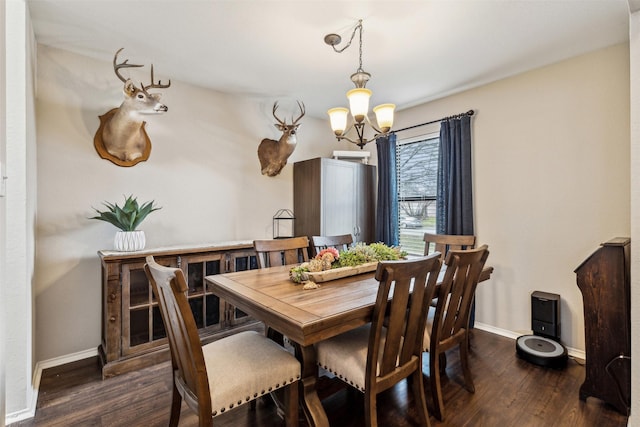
{"points": [[604, 280]]}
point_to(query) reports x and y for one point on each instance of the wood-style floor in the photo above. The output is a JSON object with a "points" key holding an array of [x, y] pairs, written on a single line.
{"points": [[509, 392]]}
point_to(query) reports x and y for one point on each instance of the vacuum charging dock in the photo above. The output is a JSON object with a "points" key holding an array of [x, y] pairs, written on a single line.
{"points": [[543, 347]]}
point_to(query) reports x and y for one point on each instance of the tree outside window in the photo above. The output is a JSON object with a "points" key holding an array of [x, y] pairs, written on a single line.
{"points": [[417, 169]]}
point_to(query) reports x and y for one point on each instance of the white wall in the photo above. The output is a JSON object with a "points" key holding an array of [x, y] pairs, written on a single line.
{"points": [[203, 170], [18, 241], [551, 178]]}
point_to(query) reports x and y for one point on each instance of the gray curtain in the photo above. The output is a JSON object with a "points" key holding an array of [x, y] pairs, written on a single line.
{"points": [[387, 207], [454, 197]]}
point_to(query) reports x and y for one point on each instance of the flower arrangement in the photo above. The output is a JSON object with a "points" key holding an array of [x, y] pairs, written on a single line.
{"points": [[358, 254]]}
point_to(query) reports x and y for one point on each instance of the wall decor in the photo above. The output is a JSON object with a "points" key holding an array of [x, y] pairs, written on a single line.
{"points": [[121, 137], [273, 154]]}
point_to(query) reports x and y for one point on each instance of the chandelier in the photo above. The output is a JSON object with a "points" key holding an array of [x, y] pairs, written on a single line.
{"points": [[358, 101]]}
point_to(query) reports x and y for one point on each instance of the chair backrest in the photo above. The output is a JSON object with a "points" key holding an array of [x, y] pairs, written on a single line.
{"points": [[271, 253], [443, 243], [189, 369], [455, 296], [341, 243], [411, 286]]}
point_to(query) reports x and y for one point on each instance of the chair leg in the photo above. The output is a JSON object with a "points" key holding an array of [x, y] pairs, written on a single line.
{"points": [[370, 409], [291, 404], [419, 396], [436, 389], [464, 362], [176, 406]]}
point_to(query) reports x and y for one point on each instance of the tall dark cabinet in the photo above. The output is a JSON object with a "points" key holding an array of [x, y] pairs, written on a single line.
{"points": [[604, 280], [333, 197]]}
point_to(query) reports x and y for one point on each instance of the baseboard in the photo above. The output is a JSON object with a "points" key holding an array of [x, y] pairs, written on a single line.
{"points": [[573, 352], [30, 410]]}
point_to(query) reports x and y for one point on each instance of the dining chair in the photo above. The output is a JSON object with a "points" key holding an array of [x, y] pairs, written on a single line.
{"points": [[444, 242], [378, 355], [223, 374], [275, 252], [447, 323], [341, 242]]}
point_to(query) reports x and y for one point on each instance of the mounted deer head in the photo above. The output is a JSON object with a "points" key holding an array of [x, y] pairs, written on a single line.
{"points": [[273, 154], [121, 137]]}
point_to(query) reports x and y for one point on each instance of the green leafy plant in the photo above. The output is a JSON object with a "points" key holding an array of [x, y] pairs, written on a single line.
{"points": [[362, 253], [129, 216]]}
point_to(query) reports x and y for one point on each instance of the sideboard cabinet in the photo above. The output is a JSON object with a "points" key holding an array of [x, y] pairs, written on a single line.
{"points": [[133, 334]]}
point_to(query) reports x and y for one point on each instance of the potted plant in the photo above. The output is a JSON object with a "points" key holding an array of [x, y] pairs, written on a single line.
{"points": [[127, 218]]}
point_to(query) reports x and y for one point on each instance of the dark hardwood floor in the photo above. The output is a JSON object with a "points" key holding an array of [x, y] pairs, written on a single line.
{"points": [[509, 392]]}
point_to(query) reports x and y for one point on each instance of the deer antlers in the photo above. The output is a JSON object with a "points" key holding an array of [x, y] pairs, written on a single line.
{"points": [[284, 123], [125, 64]]}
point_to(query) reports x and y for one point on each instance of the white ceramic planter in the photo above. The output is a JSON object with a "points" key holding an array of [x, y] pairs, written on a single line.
{"points": [[129, 241]]}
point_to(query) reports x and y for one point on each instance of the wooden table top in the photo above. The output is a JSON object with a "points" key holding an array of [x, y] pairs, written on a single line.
{"points": [[304, 316]]}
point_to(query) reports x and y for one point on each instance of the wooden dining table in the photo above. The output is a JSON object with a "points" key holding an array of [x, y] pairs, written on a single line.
{"points": [[305, 317]]}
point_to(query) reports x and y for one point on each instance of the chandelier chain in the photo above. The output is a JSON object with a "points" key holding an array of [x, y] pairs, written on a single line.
{"points": [[360, 58], [353, 34]]}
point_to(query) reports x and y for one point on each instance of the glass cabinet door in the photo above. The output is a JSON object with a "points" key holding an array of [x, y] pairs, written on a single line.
{"points": [[142, 325], [240, 261], [207, 308]]}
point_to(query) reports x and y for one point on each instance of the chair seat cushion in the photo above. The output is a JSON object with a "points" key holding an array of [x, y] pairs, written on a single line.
{"points": [[244, 366], [345, 355]]}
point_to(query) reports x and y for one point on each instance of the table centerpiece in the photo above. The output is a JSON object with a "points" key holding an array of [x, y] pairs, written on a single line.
{"points": [[331, 264]]}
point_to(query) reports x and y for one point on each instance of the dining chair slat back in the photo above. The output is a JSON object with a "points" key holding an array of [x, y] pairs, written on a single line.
{"points": [[258, 364], [443, 243], [378, 355], [341, 242], [276, 252], [448, 327]]}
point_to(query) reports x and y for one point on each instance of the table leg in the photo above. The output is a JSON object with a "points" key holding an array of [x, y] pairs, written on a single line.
{"points": [[309, 400]]}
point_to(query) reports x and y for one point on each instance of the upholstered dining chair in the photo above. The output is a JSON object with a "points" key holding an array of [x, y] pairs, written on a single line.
{"points": [[223, 374], [444, 242], [376, 356], [341, 242], [275, 252], [447, 323]]}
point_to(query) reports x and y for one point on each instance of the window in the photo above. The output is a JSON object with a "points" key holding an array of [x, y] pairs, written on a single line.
{"points": [[417, 169]]}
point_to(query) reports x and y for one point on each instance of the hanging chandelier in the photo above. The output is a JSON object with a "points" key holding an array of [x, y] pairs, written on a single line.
{"points": [[358, 101]]}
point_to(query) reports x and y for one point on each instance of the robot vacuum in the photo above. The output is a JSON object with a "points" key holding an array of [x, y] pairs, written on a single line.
{"points": [[543, 347], [541, 351]]}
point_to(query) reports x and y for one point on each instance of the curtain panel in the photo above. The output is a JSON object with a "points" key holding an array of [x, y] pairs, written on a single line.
{"points": [[454, 199], [387, 230], [454, 194]]}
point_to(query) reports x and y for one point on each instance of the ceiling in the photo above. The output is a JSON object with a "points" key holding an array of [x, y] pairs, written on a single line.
{"points": [[273, 50]]}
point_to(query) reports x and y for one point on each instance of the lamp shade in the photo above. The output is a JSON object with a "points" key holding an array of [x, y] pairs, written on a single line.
{"points": [[359, 103], [338, 118], [384, 116]]}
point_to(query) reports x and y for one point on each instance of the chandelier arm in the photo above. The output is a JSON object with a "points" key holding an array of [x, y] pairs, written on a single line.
{"points": [[379, 132], [360, 144]]}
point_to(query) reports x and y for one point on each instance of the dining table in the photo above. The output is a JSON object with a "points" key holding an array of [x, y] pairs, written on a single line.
{"points": [[305, 317]]}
